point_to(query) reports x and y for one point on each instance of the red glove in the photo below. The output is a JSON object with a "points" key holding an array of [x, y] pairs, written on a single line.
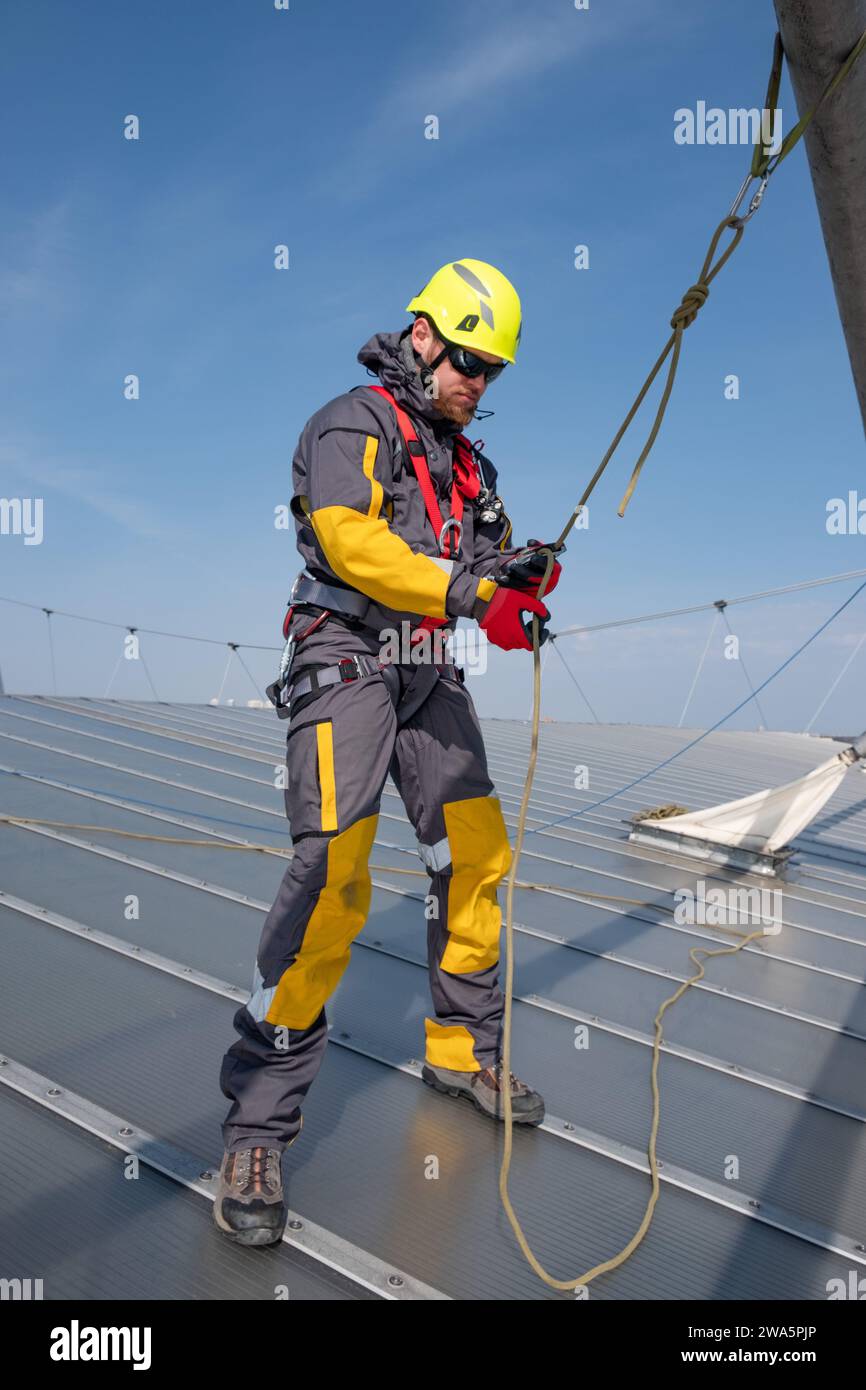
{"points": [[503, 623]]}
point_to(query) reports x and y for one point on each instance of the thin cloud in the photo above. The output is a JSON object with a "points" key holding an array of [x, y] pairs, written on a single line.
{"points": [[36, 270], [489, 64], [86, 485]]}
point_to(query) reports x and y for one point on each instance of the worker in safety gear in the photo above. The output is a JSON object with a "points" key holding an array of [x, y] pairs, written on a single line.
{"points": [[401, 531]]}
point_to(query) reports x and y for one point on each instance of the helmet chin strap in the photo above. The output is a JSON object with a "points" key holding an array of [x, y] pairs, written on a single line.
{"points": [[415, 362]]}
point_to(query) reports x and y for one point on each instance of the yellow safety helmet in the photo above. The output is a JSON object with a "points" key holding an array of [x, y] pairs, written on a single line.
{"points": [[473, 304]]}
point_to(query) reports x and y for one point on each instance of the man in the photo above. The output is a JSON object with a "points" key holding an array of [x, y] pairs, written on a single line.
{"points": [[401, 532]]}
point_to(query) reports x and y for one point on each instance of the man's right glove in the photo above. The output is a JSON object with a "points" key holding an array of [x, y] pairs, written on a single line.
{"points": [[503, 622]]}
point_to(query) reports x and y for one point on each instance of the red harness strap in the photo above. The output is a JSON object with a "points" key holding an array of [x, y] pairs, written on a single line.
{"points": [[465, 486]]}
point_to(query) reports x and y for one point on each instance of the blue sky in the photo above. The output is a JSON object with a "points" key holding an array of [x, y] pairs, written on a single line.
{"points": [[306, 127]]}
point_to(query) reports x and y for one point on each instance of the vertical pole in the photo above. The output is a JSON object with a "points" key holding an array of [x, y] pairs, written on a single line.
{"points": [[817, 36]]}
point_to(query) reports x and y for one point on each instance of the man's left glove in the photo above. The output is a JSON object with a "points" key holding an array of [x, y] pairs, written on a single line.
{"points": [[525, 570]]}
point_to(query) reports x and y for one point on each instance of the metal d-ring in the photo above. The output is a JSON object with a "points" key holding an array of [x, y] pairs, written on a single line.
{"points": [[452, 524]]}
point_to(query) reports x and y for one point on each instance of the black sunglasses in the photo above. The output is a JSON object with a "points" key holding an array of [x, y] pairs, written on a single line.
{"points": [[467, 363]]}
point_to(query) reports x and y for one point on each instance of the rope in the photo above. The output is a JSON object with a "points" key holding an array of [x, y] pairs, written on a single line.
{"points": [[253, 681], [580, 1281], [696, 296], [579, 893], [683, 317], [763, 163], [698, 672], [113, 674], [564, 632], [833, 687], [574, 680], [693, 743], [708, 607], [47, 612], [224, 679], [745, 670], [691, 304], [147, 673], [125, 627], [743, 940]]}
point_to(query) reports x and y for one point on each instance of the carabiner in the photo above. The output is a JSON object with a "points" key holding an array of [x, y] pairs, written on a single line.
{"points": [[452, 524], [286, 661], [755, 201]]}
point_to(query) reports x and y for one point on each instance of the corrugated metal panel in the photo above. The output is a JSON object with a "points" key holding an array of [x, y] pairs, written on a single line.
{"points": [[368, 1142], [782, 1011], [71, 1219]]}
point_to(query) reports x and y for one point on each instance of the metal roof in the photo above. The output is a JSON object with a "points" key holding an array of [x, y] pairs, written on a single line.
{"points": [[112, 1030]]}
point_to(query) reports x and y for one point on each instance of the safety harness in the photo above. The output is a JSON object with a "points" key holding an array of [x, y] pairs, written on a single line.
{"points": [[468, 485]]}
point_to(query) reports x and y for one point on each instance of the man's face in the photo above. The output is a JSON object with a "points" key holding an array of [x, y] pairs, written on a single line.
{"points": [[456, 396]]}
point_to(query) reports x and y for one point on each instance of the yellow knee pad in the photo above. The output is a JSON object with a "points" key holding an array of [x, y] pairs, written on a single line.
{"points": [[480, 857], [339, 914]]}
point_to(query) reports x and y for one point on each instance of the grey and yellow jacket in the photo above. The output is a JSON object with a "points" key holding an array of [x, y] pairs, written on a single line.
{"points": [[359, 511]]}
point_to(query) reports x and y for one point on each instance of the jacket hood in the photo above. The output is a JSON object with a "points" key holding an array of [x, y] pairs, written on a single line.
{"points": [[392, 358]]}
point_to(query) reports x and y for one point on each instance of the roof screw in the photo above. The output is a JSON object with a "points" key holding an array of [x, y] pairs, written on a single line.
{"points": [[54, 1091], [345, 1035], [568, 1126], [860, 1248], [295, 1224], [660, 1166], [395, 1281], [135, 950], [754, 1204], [206, 1177], [377, 943], [4, 1062], [126, 1130]]}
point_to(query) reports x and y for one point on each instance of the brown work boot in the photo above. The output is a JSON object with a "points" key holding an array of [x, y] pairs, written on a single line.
{"points": [[484, 1089], [249, 1206]]}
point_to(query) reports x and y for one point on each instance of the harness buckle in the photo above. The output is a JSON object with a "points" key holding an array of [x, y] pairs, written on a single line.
{"points": [[452, 524], [349, 668]]}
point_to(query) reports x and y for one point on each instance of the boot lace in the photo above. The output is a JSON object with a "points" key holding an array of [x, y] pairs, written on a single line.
{"points": [[257, 1169], [497, 1073]]}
